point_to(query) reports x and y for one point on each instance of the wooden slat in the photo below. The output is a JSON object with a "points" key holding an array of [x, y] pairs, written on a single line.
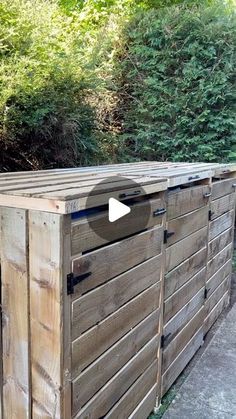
{"points": [[135, 395], [46, 318], [187, 224], [215, 313], [105, 399], [222, 187], [104, 300], [15, 309], [222, 205], [219, 260], [216, 296], [174, 326], [182, 339], [218, 277], [187, 200], [221, 224], [98, 339], [106, 366], [85, 238], [220, 242], [110, 261], [182, 250], [146, 406], [175, 302], [180, 275], [181, 361]]}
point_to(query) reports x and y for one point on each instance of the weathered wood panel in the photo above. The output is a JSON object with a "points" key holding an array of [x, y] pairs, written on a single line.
{"points": [[176, 301], [221, 224], [218, 277], [215, 313], [175, 325], [217, 295], [105, 399], [146, 406], [219, 243], [182, 339], [222, 205], [110, 261], [187, 224], [220, 259], [99, 338], [222, 187], [107, 365], [182, 250], [85, 238], [135, 395], [15, 311], [94, 306], [187, 200], [182, 273], [181, 361]]}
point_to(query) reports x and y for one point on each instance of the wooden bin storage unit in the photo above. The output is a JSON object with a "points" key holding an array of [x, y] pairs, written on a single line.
{"points": [[81, 316], [113, 344], [220, 243]]}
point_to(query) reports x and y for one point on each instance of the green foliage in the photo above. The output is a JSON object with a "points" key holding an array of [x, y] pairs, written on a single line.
{"points": [[178, 84]]}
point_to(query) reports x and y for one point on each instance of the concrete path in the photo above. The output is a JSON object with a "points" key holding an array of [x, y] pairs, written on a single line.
{"points": [[209, 392]]}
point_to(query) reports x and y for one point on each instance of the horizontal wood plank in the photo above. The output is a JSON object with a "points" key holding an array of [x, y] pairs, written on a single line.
{"points": [[222, 205], [220, 242], [98, 339], [222, 187], [216, 296], [220, 224], [219, 260], [110, 261], [182, 250], [97, 304], [146, 406], [215, 313], [175, 302], [218, 277], [187, 200]]}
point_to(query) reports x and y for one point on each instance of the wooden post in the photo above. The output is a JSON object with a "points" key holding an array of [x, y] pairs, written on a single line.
{"points": [[15, 314]]}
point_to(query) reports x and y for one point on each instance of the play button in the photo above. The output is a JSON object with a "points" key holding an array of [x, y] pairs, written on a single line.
{"points": [[117, 210]]}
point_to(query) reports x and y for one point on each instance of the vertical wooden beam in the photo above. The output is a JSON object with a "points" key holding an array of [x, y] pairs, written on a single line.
{"points": [[49, 244], [15, 313]]}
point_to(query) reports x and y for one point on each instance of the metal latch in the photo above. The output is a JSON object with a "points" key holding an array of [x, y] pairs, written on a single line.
{"points": [[129, 194], [207, 195], [167, 235], [73, 280], [163, 339], [159, 211]]}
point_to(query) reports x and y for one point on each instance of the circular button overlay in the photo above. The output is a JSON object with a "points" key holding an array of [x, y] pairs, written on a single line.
{"points": [[119, 199]]}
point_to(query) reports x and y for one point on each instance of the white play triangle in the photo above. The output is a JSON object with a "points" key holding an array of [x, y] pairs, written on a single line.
{"points": [[117, 210]]}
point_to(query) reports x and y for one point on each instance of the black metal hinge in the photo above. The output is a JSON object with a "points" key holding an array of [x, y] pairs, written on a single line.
{"points": [[163, 339], [159, 211], [210, 213], [205, 293], [73, 280], [167, 235]]}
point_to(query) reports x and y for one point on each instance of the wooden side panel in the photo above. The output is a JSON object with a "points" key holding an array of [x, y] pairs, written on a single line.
{"points": [[175, 325], [222, 187], [187, 224], [222, 205], [182, 273], [181, 361], [217, 295], [105, 399], [99, 338], [220, 259], [182, 250], [15, 314], [219, 243], [84, 237], [49, 383], [124, 255], [218, 277], [214, 314], [146, 406], [187, 200], [175, 302], [107, 365], [94, 306], [182, 339], [221, 224], [135, 395]]}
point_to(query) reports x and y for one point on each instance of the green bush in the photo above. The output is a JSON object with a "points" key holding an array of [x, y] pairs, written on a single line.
{"points": [[177, 84], [45, 79]]}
